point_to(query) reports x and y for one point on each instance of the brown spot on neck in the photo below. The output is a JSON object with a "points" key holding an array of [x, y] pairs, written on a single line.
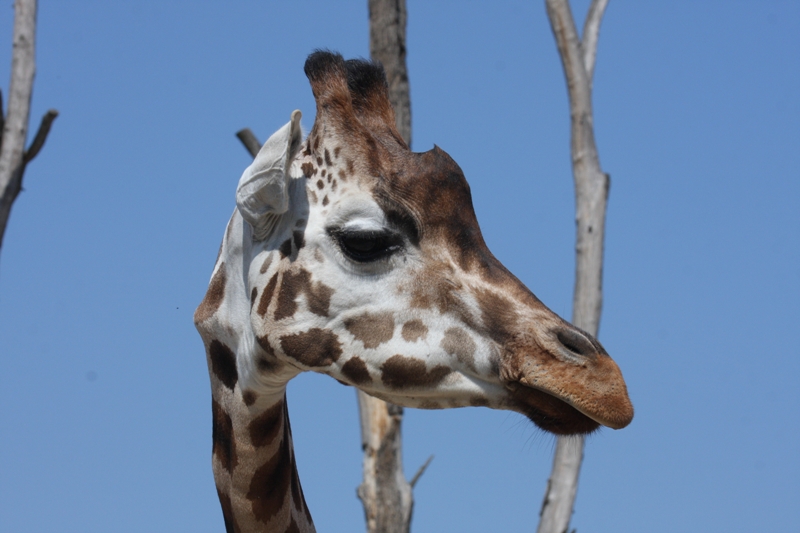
{"points": [[267, 426], [249, 397], [214, 296], [414, 330], [223, 363], [224, 447], [231, 526], [270, 483], [373, 329]]}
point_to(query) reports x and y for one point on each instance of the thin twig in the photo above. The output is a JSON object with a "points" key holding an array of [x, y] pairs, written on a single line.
{"points": [[420, 472], [41, 136], [249, 140]]}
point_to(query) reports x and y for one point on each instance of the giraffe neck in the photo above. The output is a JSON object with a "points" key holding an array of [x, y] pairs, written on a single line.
{"points": [[253, 454], [254, 464]]}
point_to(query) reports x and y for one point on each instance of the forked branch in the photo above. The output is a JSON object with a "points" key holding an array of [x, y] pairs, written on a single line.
{"points": [[13, 156], [591, 196], [249, 140]]}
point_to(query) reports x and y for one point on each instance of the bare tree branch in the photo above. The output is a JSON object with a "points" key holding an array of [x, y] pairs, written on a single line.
{"points": [[41, 136], [387, 44], [2, 119], [385, 493], [13, 157], [591, 32], [249, 140], [421, 471], [591, 197]]}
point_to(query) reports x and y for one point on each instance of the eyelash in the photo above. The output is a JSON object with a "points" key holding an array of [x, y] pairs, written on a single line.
{"points": [[367, 246]]}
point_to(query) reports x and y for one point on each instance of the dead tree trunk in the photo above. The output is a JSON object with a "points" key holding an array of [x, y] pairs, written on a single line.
{"points": [[14, 125], [591, 197], [385, 493]]}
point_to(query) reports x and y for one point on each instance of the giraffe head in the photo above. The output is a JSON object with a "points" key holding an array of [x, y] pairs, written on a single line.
{"points": [[363, 260]]}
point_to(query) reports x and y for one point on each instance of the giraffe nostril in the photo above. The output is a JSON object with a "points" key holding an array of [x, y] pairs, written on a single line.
{"points": [[576, 343]]}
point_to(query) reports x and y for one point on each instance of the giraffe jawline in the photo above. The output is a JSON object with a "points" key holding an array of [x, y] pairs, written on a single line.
{"points": [[550, 413]]}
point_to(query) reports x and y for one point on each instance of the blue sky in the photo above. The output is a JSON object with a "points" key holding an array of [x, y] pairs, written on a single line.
{"points": [[104, 395]]}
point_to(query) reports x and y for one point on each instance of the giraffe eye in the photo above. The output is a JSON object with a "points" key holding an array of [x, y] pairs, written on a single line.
{"points": [[367, 246]]}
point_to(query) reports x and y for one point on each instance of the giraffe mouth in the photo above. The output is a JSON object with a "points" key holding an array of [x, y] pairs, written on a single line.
{"points": [[551, 413]]}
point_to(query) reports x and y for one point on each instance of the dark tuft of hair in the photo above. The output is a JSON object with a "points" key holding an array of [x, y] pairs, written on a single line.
{"points": [[322, 63], [364, 77]]}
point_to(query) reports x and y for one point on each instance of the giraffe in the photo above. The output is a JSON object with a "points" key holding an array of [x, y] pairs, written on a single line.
{"points": [[349, 255]]}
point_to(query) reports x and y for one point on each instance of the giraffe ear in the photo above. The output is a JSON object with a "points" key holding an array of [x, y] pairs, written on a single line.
{"points": [[264, 186]]}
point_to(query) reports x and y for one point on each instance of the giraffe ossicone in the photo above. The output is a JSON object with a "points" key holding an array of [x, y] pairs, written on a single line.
{"points": [[352, 256]]}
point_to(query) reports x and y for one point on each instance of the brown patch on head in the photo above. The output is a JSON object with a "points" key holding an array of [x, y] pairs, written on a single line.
{"points": [[319, 160], [266, 296], [333, 185], [314, 348], [373, 329], [214, 296], [231, 526], [223, 363], [356, 371], [408, 372], [314, 198], [293, 527], [296, 282], [328, 158], [270, 484], [265, 427], [224, 447], [457, 342], [414, 330], [249, 397], [325, 200], [309, 169], [336, 152], [324, 173], [498, 315]]}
